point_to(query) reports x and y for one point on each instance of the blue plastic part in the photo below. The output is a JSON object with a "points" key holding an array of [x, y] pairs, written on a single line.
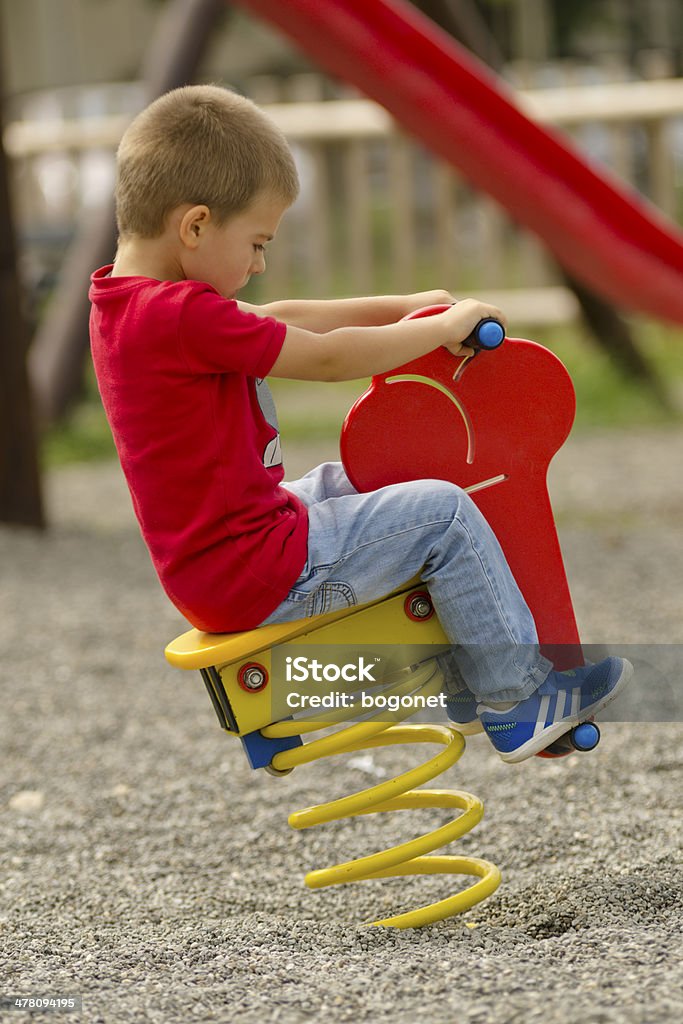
{"points": [[488, 333], [260, 750], [585, 736]]}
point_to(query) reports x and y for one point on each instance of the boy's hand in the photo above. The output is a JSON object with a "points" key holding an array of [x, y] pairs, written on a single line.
{"points": [[437, 297], [463, 318]]}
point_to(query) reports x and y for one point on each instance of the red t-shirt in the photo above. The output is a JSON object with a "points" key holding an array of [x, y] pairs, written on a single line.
{"points": [[177, 367]]}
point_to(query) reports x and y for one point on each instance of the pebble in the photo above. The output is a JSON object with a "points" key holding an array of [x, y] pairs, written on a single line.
{"points": [[27, 801]]}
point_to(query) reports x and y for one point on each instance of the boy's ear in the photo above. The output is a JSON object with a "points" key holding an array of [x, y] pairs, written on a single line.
{"points": [[193, 223]]}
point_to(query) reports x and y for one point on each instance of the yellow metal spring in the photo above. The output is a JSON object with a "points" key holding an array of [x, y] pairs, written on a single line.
{"points": [[408, 858]]}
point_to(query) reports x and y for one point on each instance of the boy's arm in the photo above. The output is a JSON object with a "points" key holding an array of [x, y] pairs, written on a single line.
{"points": [[325, 315], [347, 353]]}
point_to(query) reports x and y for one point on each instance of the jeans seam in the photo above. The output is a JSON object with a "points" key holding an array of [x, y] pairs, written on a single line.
{"points": [[496, 596], [381, 540]]}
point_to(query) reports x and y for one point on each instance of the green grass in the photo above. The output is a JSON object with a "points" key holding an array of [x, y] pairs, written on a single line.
{"points": [[83, 437], [310, 411], [605, 396]]}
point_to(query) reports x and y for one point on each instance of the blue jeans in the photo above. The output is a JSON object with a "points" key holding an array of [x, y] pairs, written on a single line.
{"points": [[362, 547]]}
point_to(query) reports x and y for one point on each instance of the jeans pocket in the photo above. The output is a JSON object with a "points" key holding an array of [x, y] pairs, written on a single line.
{"points": [[330, 597]]}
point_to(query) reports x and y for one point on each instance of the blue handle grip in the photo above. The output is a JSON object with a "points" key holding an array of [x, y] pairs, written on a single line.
{"points": [[487, 335]]}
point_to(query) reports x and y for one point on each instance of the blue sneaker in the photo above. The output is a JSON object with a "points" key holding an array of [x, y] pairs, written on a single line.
{"points": [[563, 700], [461, 708]]}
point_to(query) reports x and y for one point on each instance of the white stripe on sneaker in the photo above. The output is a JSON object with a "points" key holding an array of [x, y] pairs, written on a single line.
{"points": [[542, 712], [576, 700], [560, 706]]}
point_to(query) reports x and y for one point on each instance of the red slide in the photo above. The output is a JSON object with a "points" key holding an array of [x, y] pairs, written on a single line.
{"points": [[600, 230]]}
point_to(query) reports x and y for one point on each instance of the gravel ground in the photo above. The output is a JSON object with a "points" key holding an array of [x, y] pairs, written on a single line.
{"points": [[146, 869]]}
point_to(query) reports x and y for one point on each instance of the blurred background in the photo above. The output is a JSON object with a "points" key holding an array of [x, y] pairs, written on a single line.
{"points": [[377, 213]]}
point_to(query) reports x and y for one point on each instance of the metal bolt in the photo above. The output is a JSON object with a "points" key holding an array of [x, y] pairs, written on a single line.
{"points": [[421, 607], [254, 678]]}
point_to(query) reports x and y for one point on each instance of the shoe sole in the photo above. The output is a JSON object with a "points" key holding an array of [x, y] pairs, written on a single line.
{"points": [[467, 728], [554, 732]]}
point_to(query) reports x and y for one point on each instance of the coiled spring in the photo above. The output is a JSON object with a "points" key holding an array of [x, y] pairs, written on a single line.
{"points": [[415, 856]]}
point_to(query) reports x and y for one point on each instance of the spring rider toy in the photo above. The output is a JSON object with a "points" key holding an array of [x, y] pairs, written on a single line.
{"points": [[490, 424]]}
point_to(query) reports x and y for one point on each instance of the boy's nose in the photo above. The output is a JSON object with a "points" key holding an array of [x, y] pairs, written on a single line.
{"points": [[259, 264]]}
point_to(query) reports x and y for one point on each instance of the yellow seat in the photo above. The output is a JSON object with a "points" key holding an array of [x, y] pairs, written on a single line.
{"points": [[230, 662]]}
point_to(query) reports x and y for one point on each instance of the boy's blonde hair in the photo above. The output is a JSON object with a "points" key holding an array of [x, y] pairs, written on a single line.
{"points": [[201, 144]]}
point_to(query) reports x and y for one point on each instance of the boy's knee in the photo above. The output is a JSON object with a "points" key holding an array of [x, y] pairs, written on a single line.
{"points": [[444, 495], [449, 492]]}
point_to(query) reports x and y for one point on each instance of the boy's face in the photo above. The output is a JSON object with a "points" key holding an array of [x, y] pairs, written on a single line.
{"points": [[228, 255]]}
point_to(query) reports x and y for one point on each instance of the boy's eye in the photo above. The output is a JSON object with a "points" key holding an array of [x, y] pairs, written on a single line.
{"points": [[259, 248]]}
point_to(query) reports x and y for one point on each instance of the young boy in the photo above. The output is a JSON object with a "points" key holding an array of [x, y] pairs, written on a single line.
{"points": [[204, 178]]}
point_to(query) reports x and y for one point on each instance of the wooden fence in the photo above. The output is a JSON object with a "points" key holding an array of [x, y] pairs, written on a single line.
{"points": [[377, 213]]}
